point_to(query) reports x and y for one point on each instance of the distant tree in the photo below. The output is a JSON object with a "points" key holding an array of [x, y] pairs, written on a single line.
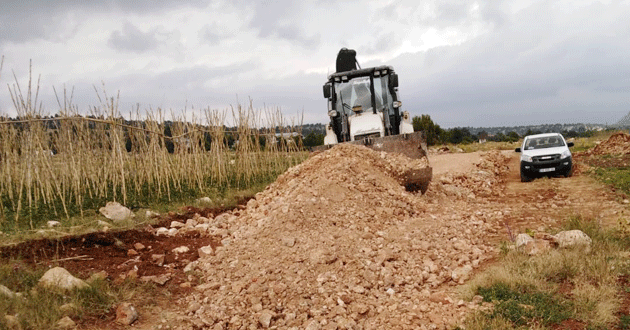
{"points": [[512, 137], [499, 137], [459, 135], [432, 131], [530, 132], [314, 139], [483, 135]]}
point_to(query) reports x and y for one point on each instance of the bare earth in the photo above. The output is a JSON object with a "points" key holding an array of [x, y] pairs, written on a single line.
{"points": [[337, 243]]}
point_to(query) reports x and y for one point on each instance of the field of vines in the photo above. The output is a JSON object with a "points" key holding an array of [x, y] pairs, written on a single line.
{"points": [[66, 165]]}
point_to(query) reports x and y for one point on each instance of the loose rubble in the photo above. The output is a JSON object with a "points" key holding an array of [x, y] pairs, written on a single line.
{"points": [[337, 243], [616, 144]]}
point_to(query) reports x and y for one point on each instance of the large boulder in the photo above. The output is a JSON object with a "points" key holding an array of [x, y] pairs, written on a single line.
{"points": [[126, 314], [522, 239], [6, 292], [60, 278], [116, 212], [572, 238], [66, 323]]}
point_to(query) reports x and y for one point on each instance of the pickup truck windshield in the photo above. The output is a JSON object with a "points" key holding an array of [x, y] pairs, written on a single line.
{"points": [[543, 142]]}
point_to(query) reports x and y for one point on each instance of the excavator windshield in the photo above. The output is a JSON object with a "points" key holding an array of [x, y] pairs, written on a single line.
{"points": [[357, 92]]}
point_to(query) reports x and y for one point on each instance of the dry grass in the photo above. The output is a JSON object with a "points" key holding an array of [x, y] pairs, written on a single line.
{"points": [[71, 165], [589, 275]]}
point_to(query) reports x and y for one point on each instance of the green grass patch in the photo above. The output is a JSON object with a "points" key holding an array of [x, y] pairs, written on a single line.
{"points": [[616, 177], [525, 305], [579, 284]]}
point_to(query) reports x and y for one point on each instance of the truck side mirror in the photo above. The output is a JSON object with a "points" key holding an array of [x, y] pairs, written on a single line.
{"points": [[327, 90], [570, 144], [393, 80], [517, 149]]}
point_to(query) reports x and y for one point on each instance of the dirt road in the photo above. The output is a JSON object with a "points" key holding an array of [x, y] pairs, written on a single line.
{"points": [[544, 202]]}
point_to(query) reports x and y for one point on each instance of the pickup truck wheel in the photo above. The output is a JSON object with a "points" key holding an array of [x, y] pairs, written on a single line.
{"points": [[525, 178], [569, 172]]}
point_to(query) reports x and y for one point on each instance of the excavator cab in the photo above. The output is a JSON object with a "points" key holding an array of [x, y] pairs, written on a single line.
{"points": [[363, 92]]}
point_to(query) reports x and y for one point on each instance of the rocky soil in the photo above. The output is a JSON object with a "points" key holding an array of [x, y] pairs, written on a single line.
{"points": [[337, 243]]}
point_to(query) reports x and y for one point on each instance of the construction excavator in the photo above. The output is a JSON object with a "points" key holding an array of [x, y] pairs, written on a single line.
{"points": [[364, 108]]}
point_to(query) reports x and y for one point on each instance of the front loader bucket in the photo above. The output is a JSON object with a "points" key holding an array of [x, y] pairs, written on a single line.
{"points": [[412, 145]]}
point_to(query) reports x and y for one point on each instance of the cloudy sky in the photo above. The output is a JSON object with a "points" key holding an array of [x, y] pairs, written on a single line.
{"points": [[465, 63]]}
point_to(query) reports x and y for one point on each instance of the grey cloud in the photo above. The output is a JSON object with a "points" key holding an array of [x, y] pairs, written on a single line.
{"points": [[213, 34], [272, 19], [524, 72], [385, 42], [131, 39], [56, 27], [294, 33], [22, 21]]}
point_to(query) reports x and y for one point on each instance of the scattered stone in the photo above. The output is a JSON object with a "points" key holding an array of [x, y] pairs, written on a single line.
{"points": [[461, 274], [265, 318], [116, 212], [151, 214], [181, 249], [522, 239], [313, 325], [193, 307], [132, 252], [12, 322], [204, 201], [126, 314], [60, 278], [66, 323], [536, 247], [288, 241], [6, 292], [98, 276], [68, 309], [139, 246], [162, 232], [102, 223], [132, 274], [158, 259], [52, 224], [439, 297], [205, 251], [177, 224], [160, 280]]}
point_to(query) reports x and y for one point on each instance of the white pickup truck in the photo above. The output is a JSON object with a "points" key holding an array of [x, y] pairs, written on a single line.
{"points": [[545, 154]]}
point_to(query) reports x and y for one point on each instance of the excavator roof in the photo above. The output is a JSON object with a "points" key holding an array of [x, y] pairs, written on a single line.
{"points": [[360, 72]]}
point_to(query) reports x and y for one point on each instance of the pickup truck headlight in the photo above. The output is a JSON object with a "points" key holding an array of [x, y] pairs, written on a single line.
{"points": [[526, 158], [565, 154]]}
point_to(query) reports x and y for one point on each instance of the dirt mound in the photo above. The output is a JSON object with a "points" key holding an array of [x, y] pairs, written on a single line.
{"points": [[485, 181], [617, 144], [336, 242]]}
